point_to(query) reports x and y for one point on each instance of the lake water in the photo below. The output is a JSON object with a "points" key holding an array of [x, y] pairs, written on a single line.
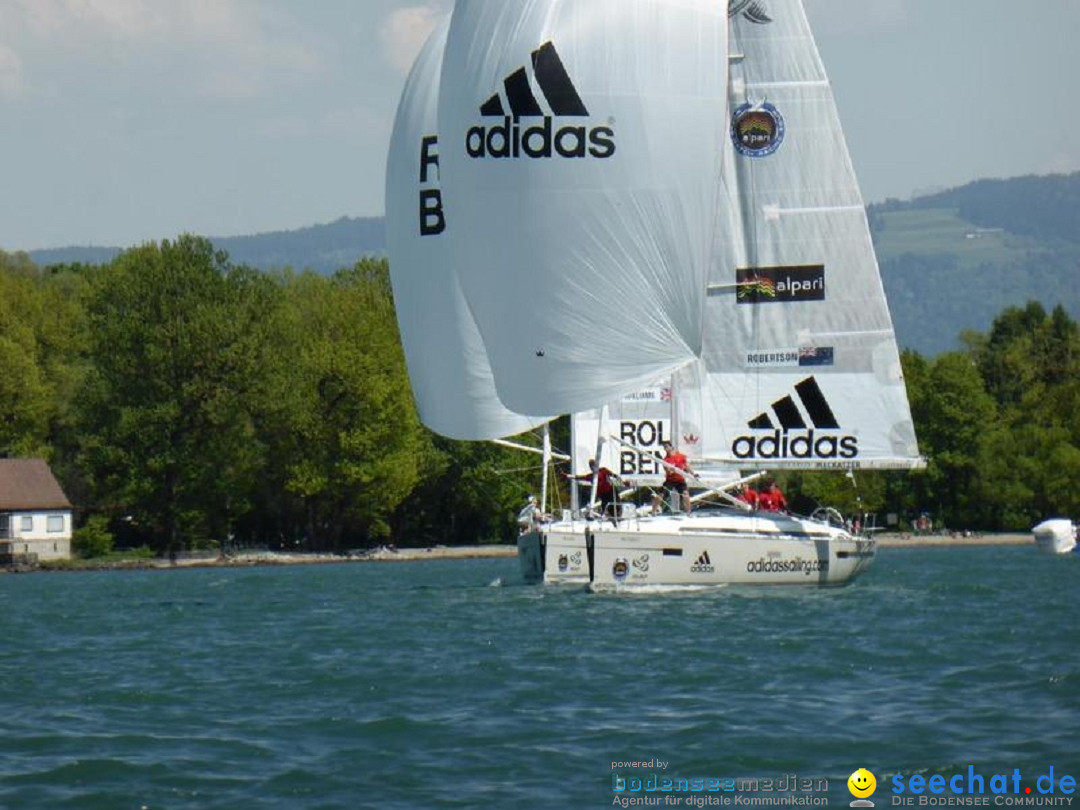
{"points": [[451, 684]]}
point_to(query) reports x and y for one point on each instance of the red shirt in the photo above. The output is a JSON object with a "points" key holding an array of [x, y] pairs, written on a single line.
{"points": [[603, 482], [772, 500], [749, 496], [675, 460]]}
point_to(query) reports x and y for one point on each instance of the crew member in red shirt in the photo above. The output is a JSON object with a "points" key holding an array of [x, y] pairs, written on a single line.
{"points": [[675, 464], [749, 496], [605, 488], [771, 499]]}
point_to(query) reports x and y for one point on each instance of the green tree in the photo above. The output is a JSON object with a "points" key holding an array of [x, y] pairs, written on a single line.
{"points": [[953, 417], [1031, 364], [471, 494], [176, 346], [346, 442], [41, 341]]}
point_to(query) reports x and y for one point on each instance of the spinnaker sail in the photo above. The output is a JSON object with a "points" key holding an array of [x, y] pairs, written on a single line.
{"points": [[448, 363], [580, 140]]}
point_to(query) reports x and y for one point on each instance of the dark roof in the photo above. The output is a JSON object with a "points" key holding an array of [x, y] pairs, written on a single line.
{"points": [[28, 483]]}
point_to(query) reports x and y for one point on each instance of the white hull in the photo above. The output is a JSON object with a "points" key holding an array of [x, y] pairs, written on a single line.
{"points": [[703, 549], [1055, 536]]}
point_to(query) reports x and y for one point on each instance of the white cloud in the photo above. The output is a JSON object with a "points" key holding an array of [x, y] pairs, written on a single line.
{"points": [[231, 47], [404, 32], [10, 72]]}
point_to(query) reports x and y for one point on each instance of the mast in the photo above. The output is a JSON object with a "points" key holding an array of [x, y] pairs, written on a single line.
{"points": [[547, 464]]}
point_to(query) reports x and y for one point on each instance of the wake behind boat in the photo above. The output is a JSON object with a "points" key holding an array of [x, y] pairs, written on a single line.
{"points": [[656, 229]]}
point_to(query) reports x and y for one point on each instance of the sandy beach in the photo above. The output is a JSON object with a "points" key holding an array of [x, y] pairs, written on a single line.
{"points": [[935, 540], [253, 558]]}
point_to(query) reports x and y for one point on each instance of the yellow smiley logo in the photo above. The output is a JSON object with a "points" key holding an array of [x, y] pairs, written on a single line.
{"points": [[862, 783]]}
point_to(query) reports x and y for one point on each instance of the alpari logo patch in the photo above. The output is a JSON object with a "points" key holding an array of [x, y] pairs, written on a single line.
{"points": [[780, 285], [703, 565], [757, 130], [526, 129], [806, 430]]}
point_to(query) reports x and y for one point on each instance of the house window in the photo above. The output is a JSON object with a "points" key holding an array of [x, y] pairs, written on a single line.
{"points": [[5, 525], [27, 523], [55, 523]]}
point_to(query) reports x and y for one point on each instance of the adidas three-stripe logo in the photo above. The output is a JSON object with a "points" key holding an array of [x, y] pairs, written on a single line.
{"points": [[703, 565], [786, 411], [790, 437], [509, 139], [554, 83]]}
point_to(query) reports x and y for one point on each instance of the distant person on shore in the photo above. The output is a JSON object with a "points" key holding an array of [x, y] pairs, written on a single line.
{"points": [[771, 499], [605, 488], [675, 464]]}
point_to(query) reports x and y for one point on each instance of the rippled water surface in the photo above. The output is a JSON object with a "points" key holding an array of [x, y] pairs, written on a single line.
{"points": [[450, 684]]}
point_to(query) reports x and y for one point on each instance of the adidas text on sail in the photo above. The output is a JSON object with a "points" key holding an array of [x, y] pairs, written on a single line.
{"points": [[802, 445], [510, 138], [793, 438]]}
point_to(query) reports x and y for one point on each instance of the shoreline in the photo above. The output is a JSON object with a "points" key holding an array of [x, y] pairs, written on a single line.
{"points": [[250, 559], [892, 540], [384, 554]]}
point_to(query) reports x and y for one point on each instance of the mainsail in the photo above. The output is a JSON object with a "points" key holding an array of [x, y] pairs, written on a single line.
{"points": [[799, 366], [579, 139], [448, 366]]}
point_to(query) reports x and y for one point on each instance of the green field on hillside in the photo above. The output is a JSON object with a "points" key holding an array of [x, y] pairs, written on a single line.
{"points": [[941, 231]]}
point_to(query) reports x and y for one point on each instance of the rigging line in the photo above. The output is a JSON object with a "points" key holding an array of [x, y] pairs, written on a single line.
{"points": [[515, 470], [773, 212], [816, 83], [859, 333], [527, 449]]}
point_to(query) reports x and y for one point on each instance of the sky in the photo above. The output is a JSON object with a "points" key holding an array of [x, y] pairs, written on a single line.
{"points": [[125, 121]]}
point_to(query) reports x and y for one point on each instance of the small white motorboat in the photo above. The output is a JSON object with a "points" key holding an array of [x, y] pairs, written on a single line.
{"points": [[1057, 536]]}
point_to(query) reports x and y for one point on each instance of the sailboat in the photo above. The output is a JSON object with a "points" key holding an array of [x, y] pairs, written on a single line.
{"points": [[650, 204]]}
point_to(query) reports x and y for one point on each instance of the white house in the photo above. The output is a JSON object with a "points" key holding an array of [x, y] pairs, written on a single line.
{"points": [[35, 515]]}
